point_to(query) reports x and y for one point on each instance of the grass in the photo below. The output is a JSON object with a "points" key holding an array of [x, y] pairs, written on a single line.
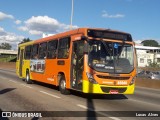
{"points": [[7, 59]]}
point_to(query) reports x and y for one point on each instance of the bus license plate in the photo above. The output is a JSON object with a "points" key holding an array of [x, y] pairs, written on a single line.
{"points": [[113, 92]]}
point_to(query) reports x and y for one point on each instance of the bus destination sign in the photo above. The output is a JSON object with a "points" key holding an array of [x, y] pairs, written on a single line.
{"points": [[109, 35]]}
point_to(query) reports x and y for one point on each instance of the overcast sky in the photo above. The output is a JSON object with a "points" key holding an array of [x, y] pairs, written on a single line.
{"points": [[31, 18]]}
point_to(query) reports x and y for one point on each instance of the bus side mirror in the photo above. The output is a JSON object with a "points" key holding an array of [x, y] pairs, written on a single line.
{"points": [[84, 38], [85, 49]]}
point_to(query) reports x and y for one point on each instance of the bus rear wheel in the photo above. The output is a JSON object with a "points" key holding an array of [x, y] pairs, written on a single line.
{"points": [[62, 86], [28, 80]]}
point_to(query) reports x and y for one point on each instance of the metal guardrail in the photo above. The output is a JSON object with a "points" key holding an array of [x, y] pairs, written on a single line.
{"points": [[12, 52]]}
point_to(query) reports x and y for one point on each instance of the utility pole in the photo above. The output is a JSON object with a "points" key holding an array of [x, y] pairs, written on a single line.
{"points": [[71, 15]]}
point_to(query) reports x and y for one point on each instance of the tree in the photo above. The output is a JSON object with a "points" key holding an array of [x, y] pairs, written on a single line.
{"points": [[5, 46], [154, 64], [152, 43], [25, 40]]}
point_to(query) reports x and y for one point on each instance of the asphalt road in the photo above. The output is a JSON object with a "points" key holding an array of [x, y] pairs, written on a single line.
{"points": [[18, 97]]}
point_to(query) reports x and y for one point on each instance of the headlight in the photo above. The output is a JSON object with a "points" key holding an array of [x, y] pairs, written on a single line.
{"points": [[132, 81], [91, 79]]}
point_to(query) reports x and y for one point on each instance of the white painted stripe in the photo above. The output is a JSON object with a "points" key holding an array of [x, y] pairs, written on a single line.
{"points": [[3, 78], [25, 85], [134, 100], [50, 94], [101, 113], [82, 106], [115, 118], [13, 81]]}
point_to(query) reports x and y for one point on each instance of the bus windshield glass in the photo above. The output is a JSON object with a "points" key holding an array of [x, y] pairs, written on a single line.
{"points": [[111, 57]]}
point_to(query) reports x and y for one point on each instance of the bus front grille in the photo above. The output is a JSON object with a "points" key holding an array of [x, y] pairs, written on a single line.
{"points": [[107, 89], [113, 77]]}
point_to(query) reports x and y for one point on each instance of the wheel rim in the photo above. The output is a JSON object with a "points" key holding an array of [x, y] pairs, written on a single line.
{"points": [[27, 77], [63, 84]]}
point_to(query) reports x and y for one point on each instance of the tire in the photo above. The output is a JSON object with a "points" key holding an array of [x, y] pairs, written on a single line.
{"points": [[28, 80], [62, 86]]}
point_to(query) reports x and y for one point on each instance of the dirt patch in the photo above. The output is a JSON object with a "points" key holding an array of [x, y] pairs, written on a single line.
{"points": [[149, 83], [7, 65]]}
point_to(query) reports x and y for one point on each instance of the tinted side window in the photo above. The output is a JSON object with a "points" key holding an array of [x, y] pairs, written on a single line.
{"points": [[18, 53], [28, 52], [63, 47], [34, 54], [52, 47], [42, 50]]}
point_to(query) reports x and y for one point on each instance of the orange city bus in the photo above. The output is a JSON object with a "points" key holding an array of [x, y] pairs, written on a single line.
{"points": [[89, 60]]}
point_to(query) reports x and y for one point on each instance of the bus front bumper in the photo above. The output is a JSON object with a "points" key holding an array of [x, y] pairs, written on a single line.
{"points": [[104, 89]]}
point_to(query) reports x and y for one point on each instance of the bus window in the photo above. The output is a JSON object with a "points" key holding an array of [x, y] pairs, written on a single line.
{"points": [[28, 52], [77, 64], [18, 53], [63, 47], [42, 50], [52, 47], [35, 51]]}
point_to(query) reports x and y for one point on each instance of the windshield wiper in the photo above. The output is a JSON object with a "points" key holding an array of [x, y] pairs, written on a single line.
{"points": [[105, 46], [123, 43], [108, 51]]}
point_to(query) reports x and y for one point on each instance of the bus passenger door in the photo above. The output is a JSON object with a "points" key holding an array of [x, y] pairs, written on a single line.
{"points": [[21, 62], [77, 65]]}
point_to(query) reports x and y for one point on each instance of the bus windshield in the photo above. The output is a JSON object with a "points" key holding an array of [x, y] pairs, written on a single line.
{"points": [[111, 57]]}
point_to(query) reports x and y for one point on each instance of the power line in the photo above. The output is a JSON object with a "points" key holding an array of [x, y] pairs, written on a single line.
{"points": [[72, 14]]}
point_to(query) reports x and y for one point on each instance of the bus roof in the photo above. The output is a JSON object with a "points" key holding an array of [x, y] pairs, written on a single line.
{"points": [[25, 44], [67, 33]]}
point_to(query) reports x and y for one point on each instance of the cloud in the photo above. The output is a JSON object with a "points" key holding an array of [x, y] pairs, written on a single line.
{"points": [[138, 41], [5, 16], [106, 15], [35, 32], [37, 25], [23, 28], [18, 22], [10, 38], [2, 32]]}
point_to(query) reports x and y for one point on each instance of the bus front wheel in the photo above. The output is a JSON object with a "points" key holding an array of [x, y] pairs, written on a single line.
{"points": [[28, 80], [62, 86]]}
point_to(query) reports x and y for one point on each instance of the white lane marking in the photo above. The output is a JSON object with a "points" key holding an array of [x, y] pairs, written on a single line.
{"points": [[101, 113], [143, 102], [82, 106], [154, 89], [3, 78], [25, 85], [13, 81], [50, 94], [115, 118]]}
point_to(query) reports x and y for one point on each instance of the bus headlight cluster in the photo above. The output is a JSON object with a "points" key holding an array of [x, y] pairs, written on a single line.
{"points": [[132, 81], [91, 79]]}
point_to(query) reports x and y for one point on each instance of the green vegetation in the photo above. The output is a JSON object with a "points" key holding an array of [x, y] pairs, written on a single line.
{"points": [[151, 43], [25, 40], [8, 59], [154, 65], [5, 46]]}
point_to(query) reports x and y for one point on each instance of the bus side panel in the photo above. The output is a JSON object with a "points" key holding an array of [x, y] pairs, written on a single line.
{"points": [[64, 68], [17, 67], [50, 74], [52, 69], [47, 73], [26, 66], [37, 76], [19, 63]]}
